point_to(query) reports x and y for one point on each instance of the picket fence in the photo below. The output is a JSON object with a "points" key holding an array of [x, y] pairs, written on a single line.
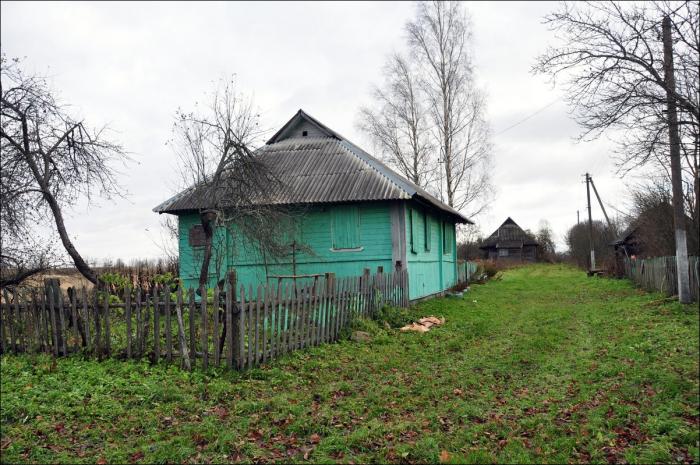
{"points": [[659, 274], [234, 326]]}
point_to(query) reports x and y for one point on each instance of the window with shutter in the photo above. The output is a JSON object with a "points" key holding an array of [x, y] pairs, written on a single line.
{"points": [[345, 227], [447, 238], [196, 236]]}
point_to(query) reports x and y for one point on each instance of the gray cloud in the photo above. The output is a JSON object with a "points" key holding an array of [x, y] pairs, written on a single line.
{"points": [[133, 64]]}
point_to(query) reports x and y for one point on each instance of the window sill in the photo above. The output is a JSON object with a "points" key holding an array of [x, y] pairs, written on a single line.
{"points": [[356, 249]]}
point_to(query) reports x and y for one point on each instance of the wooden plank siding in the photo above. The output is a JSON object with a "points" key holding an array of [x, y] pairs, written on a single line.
{"points": [[315, 234], [432, 269], [374, 244]]}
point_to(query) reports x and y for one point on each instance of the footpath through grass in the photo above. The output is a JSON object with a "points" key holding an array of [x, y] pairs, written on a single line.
{"points": [[545, 365]]}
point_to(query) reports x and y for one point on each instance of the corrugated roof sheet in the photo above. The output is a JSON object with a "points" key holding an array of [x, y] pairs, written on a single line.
{"points": [[320, 170]]}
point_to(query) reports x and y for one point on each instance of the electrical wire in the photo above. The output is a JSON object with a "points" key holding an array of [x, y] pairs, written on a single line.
{"points": [[528, 117]]}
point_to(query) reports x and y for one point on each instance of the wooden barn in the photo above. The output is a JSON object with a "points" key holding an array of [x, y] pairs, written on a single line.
{"points": [[358, 213], [510, 242]]}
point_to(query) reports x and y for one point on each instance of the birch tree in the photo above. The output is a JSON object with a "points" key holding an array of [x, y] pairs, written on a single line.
{"points": [[398, 123], [439, 39]]}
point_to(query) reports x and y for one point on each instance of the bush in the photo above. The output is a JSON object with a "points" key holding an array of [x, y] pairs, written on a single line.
{"points": [[394, 316], [490, 268]]}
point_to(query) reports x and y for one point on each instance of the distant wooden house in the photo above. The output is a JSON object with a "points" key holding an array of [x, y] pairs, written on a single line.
{"points": [[358, 213], [510, 242]]}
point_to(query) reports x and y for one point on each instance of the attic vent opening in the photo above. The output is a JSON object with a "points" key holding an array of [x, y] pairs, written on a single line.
{"points": [[304, 133]]}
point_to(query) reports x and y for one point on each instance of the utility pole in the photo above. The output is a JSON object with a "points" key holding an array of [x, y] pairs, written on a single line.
{"points": [[578, 218], [674, 140], [590, 221]]}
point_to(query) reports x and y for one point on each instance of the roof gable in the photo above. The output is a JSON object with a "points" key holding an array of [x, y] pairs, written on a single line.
{"points": [[303, 125], [508, 234]]}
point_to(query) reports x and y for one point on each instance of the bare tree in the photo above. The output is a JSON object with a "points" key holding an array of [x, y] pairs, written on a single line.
{"points": [[612, 62], [652, 220], [577, 240], [49, 158], [235, 188], [545, 239], [618, 54], [439, 39], [22, 259], [399, 125]]}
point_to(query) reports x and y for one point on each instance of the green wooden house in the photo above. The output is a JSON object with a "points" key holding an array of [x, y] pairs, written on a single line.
{"points": [[357, 214]]}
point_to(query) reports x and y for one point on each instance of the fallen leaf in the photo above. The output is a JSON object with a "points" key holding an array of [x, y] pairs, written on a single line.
{"points": [[444, 456], [101, 461], [315, 438], [136, 456]]}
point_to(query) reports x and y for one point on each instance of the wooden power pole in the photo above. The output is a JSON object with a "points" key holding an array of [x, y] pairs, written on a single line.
{"points": [[674, 140], [590, 221]]}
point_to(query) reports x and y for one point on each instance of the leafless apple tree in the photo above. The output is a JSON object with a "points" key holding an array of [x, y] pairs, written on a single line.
{"points": [[234, 188], [49, 160], [430, 113]]}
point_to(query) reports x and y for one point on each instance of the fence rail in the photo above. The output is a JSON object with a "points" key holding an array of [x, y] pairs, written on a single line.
{"points": [[659, 274], [233, 325]]}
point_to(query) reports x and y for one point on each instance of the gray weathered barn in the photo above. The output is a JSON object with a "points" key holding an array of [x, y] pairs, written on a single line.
{"points": [[510, 242]]}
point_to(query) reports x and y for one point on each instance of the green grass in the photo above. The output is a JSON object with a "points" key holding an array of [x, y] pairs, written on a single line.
{"points": [[545, 365]]}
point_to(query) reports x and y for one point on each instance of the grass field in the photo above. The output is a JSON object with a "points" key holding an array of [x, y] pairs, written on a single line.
{"points": [[544, 365]]}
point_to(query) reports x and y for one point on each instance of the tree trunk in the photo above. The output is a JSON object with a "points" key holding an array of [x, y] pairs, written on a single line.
{"points": [[80, 264], [207, 218]]}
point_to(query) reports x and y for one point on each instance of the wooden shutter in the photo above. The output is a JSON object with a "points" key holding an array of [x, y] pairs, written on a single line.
{"points": [[428, 231], [196, 236], [415, 228], [447, 238], [345, 227]]}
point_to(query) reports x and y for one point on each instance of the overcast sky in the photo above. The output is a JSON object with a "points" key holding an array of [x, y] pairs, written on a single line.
{"points": [[131, 65]]}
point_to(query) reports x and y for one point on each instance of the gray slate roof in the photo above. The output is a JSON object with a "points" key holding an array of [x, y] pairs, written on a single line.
{"points": [[508, 234], [321, 167]]}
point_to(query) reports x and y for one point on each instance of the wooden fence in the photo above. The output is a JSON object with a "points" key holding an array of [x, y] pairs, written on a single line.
{"points": [[659, 274], [465, 271], [234, 326]]}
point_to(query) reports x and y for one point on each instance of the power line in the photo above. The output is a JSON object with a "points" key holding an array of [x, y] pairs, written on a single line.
{"points": [[528, 117]]}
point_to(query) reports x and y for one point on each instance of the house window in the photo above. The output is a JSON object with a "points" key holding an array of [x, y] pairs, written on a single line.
{"points": [[447, 238], [196, 236], [502, 252], [428, 235], [345, 227]]}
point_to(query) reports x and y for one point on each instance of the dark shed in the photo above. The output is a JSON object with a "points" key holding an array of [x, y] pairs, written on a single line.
{"points": [[510, 242]]}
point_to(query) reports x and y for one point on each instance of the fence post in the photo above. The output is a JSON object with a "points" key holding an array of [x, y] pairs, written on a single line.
{"points": [[332, 302], [184, 352], [230, 306], [203, 332], [49, 291]]}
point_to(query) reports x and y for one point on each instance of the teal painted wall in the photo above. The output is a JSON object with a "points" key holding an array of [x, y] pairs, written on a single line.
{"points": [[371, 246], [430, 271]]}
